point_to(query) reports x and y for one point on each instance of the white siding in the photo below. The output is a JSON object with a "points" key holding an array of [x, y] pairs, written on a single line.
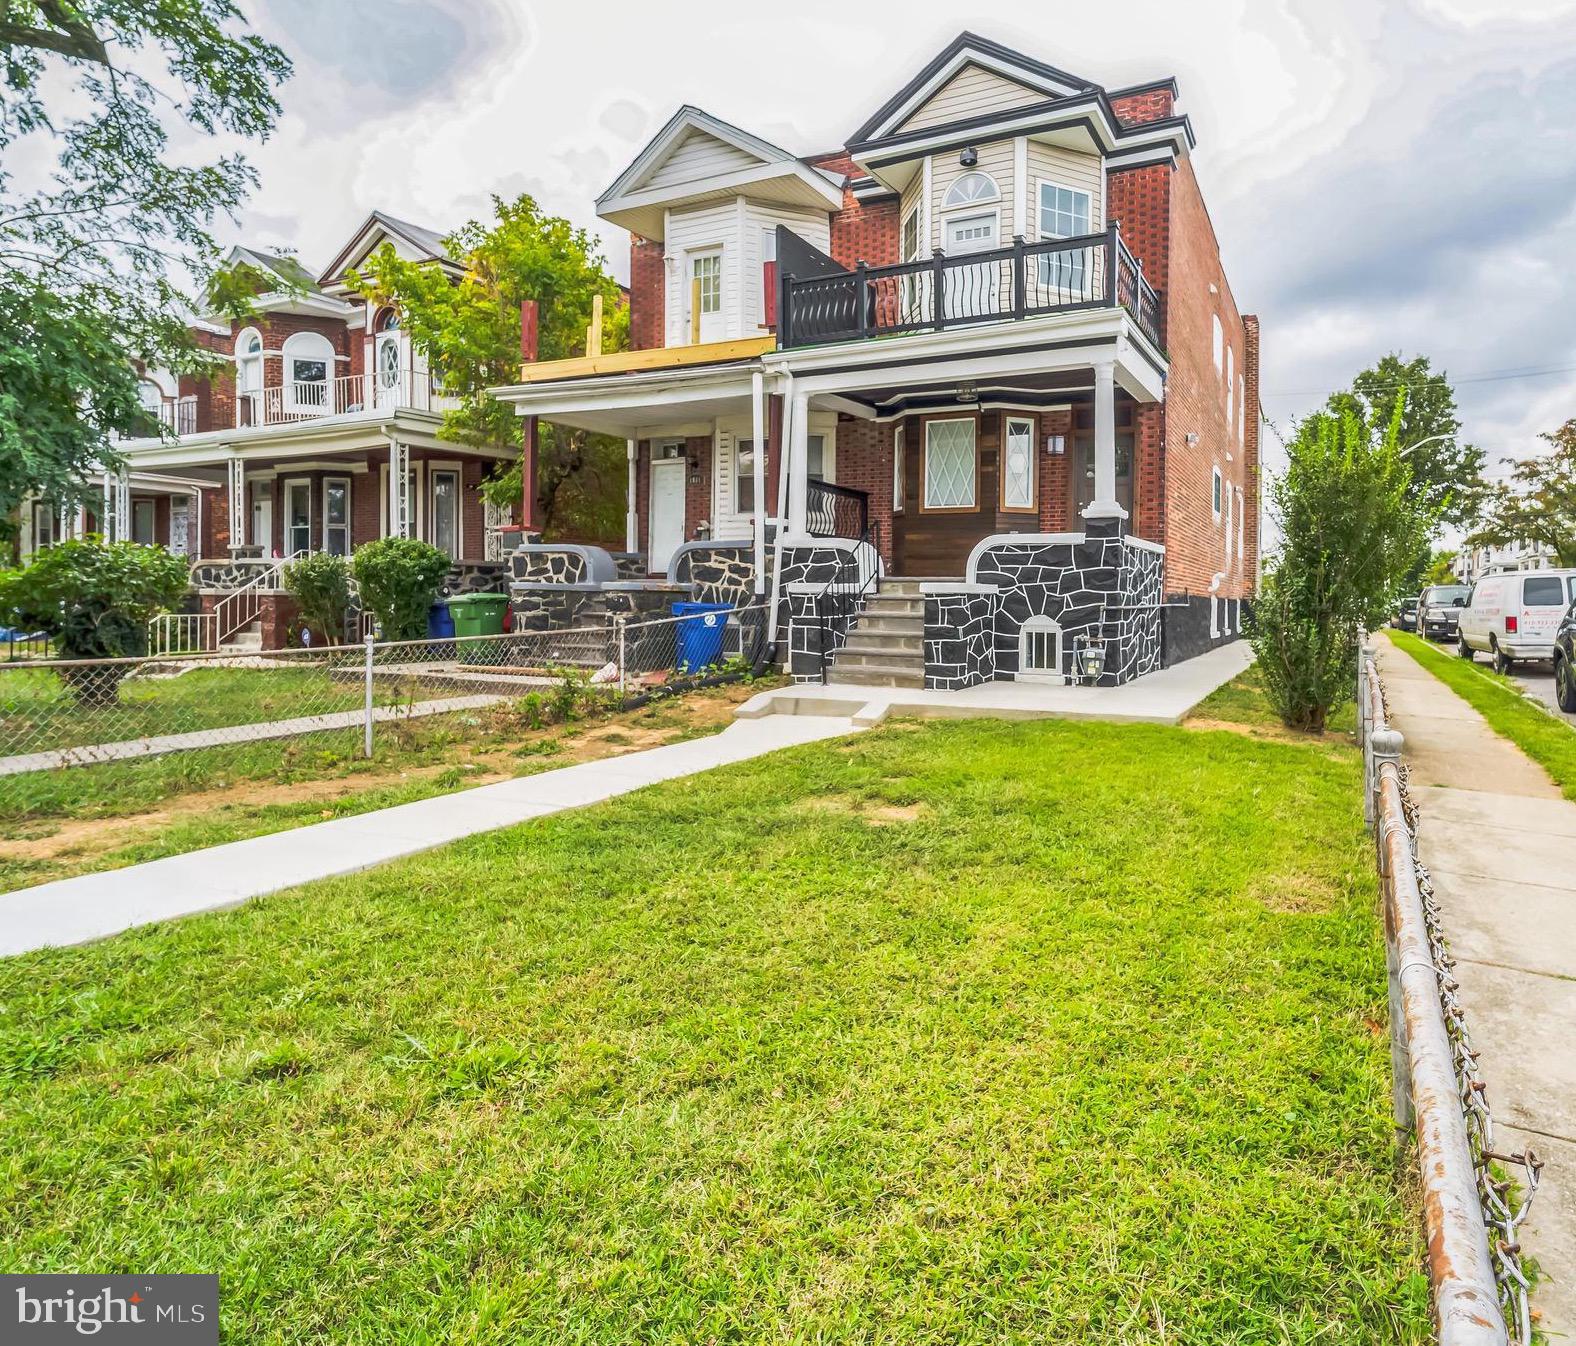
{"points": [[814, 227], [1068, 168], [699, 155], [693, 231], [971, 92], [995, 160]]}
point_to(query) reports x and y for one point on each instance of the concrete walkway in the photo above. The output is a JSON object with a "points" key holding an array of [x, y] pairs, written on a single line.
{"points": [[1156, 698], [125, 749], [72, 911], [1500, 842]]}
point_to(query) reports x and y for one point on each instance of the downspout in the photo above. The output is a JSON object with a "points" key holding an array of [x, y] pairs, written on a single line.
{"points": [[786, 393]]}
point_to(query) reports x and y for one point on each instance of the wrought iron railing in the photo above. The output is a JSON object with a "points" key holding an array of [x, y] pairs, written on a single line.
{"points": [[1024, 280], [836, 511]]}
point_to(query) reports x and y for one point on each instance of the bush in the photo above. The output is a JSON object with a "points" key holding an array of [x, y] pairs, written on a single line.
{"points": [[94, 599], [399, 579], [320, 583]]}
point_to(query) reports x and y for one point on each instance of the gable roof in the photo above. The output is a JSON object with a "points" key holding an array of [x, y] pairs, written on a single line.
{"points": [[380, 227], [964, 50], [285, 267], [697, 156]]}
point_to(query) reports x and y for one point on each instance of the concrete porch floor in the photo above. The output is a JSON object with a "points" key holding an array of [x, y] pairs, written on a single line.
{"points": [[1157, 698]]}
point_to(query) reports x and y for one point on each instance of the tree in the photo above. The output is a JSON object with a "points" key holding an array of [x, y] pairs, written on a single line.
{"points": [[92, 253], [1446, 471], [1351, 524], [1541, 506], [470, 329]]}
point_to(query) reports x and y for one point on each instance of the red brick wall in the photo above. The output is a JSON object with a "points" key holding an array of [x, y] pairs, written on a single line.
{"points": [[697, 485], [216, 394], [1139, 200], [1147, 105], [861, 231], [276, 328], [864, 462], [1055, 485], [1251, 460], [1196, 401], [647, 323]]}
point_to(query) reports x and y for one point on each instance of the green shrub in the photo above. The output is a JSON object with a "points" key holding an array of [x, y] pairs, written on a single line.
{"points": [[399, 579], [94, 599], [320, 583]]}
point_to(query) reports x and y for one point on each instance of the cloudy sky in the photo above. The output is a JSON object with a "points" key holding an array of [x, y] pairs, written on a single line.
{"points": [[1383, 174]]}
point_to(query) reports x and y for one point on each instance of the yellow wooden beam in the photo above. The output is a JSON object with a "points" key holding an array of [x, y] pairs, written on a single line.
{"points": [[594, 331], [695, 312], [661, 357]]}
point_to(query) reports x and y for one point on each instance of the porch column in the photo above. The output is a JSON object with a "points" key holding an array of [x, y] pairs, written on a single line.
{"points": [[799, 465], [399, 490], [1104, 504], [238, 502], [758, 485], [107, 508], [528, 451], [632, 497], [123, 506]]}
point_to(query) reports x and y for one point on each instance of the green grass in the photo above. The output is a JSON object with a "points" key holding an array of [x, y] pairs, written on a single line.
{"points": [[1243, 701], [1545, 738], [974, 1032]]}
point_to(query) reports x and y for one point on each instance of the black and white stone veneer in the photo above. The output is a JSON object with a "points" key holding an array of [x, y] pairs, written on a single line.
{"points": [[561, 563], [1096, 586], [720, 572], [820, 602], [960, 637], [475, 577], [221, 576]]}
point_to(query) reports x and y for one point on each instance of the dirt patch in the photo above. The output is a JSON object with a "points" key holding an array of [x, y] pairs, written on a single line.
{"points": [[876, 812], [1277, 733], [478, 763], [1294, 893]]}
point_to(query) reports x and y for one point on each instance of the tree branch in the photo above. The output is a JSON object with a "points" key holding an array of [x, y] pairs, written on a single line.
{"points": [[69, 36]]}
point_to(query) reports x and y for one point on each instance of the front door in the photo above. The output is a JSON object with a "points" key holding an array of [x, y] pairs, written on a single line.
{"points": [[263, 517], [387, 363], [180, 527], [667, 507], [298, 517], [705, 294], [971, 291]]}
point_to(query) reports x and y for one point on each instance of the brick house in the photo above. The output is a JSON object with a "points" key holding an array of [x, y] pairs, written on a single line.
{"points": [[969, 398], [319, 433]]}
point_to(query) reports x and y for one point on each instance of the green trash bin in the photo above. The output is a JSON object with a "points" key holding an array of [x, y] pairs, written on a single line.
{"points": [[479, 615]]}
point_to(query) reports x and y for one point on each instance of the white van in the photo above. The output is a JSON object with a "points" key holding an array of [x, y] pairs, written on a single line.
{"points": [[1514, 614]]}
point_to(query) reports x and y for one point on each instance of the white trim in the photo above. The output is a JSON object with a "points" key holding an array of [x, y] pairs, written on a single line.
{"points": [[927, 243], [971, 570], [1114, 141], [350, 511], [417, 502], [899, 464], [1032, 80], [653, 463], [285, 526], [1032, 505], [1020, 181], [963, 177], [1040, 624], [973, 502], [434, 466]]}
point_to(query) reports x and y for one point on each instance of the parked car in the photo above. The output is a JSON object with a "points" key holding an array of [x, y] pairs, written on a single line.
{"points": [[1514, 615], [1439, 609], [1565, 661], [1405, 616]]}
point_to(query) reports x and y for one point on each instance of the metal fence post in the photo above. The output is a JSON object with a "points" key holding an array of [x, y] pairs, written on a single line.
{"points": [[1386, 747], [623, 686], [366, 744]]}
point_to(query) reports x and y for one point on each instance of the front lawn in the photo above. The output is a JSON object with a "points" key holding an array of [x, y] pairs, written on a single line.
{"points": [[970, 1032], [1543, 736]]}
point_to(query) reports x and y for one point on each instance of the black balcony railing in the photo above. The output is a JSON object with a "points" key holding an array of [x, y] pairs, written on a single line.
{"points": [[836, 511], [1024, 280]]}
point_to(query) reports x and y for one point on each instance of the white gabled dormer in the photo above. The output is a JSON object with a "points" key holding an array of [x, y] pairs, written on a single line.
{"points": [[713, 195]]}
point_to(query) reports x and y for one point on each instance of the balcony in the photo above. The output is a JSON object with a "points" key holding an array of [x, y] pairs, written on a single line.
{"points": [[350, 395], [1024, 280]]}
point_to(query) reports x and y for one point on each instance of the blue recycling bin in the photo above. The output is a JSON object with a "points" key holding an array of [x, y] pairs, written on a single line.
{"points": [[700, 635], [440, 622]]}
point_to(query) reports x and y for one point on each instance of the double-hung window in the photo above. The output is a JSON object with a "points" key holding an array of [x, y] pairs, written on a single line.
{"points": [[1214, 496], [708, 272], [336, 516], [744, 476], [1064, 213]]}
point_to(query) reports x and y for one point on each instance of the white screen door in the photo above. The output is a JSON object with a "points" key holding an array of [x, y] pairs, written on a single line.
{"points": [[706, 280], [667, 509], [263, 517]]}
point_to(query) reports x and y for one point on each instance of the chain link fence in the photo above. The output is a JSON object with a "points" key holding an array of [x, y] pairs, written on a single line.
{"points": [[1475, 1196], [60, 714]]}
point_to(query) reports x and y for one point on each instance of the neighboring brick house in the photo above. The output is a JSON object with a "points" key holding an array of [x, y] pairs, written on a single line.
{"points": [[989, 345], [319, 433]]}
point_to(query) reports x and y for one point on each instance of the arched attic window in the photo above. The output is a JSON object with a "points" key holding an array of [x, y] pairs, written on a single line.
{"points": [[972, 189], [248, 360]]}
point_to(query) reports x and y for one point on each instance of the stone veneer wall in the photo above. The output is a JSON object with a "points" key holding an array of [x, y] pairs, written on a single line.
{"points": [[549, 565], [220, 576], [1094, 587], [1186, 622], [475, 577], [817, 565], [960, 639], [719, 572]]}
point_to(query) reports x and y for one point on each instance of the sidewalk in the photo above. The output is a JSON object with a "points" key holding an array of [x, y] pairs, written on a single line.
{"points": [[72, 911], [1500, 842]]}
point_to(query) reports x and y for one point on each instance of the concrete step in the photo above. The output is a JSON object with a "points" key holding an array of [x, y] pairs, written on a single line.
{"points": [[885, 624], [876, 677], [861, 641], [898, 661], [895, 605]]}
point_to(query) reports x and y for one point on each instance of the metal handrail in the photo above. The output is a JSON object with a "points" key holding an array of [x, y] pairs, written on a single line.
{"points": [[856, 595]]}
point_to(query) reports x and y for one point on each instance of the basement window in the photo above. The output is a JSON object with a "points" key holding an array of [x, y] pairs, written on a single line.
{"points": [[1040, 650]]}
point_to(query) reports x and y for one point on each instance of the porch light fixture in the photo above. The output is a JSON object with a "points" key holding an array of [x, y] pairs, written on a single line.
{"points": [[1091, 660], [967, 392], [969, 157], [1056, 445]]}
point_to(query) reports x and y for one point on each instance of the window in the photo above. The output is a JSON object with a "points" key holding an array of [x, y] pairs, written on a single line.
{"points": [[1230, 382], [308, 358], [180, 526], [815, 457], [1017, 464], [950, 465], [445, 486], [336, 516], [1547, 591], [971, 189], [142, 522], [1040, 649], [910, 241], [1217, 340], [1064, 213], [45, 525], [248, 361], [744, 476], [1242, 410], [707, 270], [298, 517], [1214, 498], [151, 398], [899, 484]]}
